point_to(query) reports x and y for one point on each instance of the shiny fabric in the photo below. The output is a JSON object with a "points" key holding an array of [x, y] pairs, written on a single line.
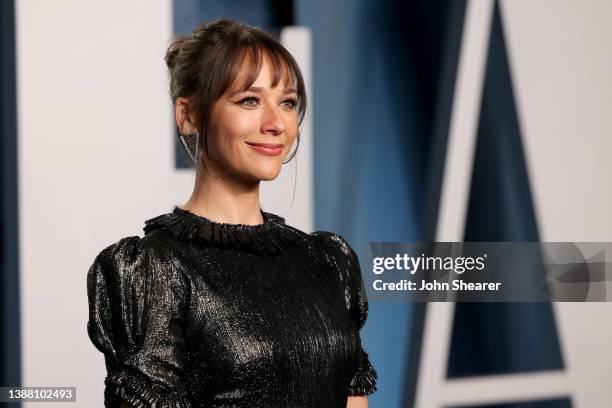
{"points": [[204, 314]]}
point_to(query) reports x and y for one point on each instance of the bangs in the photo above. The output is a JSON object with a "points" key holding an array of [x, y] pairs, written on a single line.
{"points": [[252, 58]]}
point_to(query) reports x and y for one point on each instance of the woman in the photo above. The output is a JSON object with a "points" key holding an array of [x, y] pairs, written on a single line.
{"points": [[221, 304]]}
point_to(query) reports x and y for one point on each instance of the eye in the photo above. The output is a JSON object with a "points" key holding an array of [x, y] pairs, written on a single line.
{"points": [[290, 103], [249, 101]]}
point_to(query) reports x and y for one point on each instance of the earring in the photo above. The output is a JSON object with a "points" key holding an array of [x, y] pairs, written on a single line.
{"points": [[190, 143]]}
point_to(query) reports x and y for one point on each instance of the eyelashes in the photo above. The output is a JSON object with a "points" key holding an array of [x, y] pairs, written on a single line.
{"points": [[253, 101]]}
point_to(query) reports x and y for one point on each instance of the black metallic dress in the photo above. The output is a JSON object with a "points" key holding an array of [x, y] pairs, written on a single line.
{"points": [[203, 314]]}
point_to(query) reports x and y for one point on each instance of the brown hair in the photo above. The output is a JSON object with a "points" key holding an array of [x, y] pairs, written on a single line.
{"points": [[203, 64]]}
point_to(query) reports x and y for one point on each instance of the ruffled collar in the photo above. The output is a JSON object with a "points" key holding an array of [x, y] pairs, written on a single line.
{"points": [[271, 237]]}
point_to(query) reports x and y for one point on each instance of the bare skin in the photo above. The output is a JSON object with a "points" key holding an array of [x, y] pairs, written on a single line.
{"points": [[227, 189], [357, 402]]}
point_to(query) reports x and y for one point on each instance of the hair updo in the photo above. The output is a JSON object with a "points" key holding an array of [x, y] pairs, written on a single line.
{"points": [[202, 65]]}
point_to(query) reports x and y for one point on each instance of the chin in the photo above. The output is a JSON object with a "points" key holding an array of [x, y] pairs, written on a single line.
{"points": [[267, 174]]}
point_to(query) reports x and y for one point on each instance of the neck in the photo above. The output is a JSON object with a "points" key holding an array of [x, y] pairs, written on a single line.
{"points": [[225, 199]]}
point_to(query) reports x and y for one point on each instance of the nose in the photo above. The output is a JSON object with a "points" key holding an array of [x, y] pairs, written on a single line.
{"points": [[272, 120]]}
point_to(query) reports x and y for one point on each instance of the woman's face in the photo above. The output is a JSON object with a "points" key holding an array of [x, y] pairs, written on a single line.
{"points": [[251, 132]]}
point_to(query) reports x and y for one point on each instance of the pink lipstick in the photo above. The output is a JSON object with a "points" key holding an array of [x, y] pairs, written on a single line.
{"points": [[269, 149]]}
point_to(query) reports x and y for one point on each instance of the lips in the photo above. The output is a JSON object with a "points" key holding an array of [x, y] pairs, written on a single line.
{"points": [[268, 149]]}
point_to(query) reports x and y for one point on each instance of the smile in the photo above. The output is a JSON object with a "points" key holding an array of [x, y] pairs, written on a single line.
{"points": [[267, 149]]}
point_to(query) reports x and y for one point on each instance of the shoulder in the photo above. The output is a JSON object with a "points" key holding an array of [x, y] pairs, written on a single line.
{"points": [[115, 259], [340, 255], [133, 248], [335, 246], [333, 240], [134, 260]]}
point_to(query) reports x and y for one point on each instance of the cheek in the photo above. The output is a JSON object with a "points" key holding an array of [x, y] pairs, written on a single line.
{"points": [[291, 140], [292, 130], [242, 124], [234, 129]]}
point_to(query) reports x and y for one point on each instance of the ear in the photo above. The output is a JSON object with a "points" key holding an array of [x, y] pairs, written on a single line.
{"points": [[185, 115]]}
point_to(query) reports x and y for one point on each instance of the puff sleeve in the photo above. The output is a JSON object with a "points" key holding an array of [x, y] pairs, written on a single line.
{"points": [[137, 302], [346, 262]]}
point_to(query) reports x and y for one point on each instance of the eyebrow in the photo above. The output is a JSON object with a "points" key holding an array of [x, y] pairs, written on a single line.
{"points": [[257, 89]]}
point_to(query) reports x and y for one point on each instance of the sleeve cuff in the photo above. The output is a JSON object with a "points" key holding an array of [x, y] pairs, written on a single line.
{"points": [[364, 380], [134, 387]]}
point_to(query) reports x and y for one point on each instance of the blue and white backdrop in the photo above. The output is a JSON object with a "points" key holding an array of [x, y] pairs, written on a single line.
{"points": [[475, 120]]}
